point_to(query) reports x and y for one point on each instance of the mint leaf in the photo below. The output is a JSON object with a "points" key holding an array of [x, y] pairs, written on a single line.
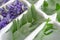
{"points": [[48, 27], [45, 4], [57, 7], [49, 7], [47, 30], [58, 16]]}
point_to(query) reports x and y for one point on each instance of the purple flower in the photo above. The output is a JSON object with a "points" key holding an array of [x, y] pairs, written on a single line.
{"points": [[3, 12], [14, 9], [5, 21]]}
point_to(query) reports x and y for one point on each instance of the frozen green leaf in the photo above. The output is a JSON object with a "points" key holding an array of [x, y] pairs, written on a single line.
{"points": [[45, 4], [57, 7], [49, 7], [14, 26], [22, 32], [18, 23], [24, 19], [58, 16], [52, 4], [47, 30], [36, 16], [29, 16]]}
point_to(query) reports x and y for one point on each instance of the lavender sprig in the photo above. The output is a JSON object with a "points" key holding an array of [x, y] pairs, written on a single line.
{"points": [[11, 12]]}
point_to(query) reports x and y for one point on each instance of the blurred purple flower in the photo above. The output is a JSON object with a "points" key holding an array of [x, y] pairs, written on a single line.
{"points": [[14, 9], [5, 21]]}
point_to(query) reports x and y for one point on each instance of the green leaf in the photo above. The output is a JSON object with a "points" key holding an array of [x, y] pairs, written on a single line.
{"points": [[57, 7], [24, 20], [58, 16], [34, 25], [45, 4], [49, 7], [22, 32], [47, 30], [18, 23], [52, 4], [14, 26], [29, 16], [36, 16]]}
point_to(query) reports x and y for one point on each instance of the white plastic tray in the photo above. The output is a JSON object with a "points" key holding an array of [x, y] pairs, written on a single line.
{"points": [[38, 29]]}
